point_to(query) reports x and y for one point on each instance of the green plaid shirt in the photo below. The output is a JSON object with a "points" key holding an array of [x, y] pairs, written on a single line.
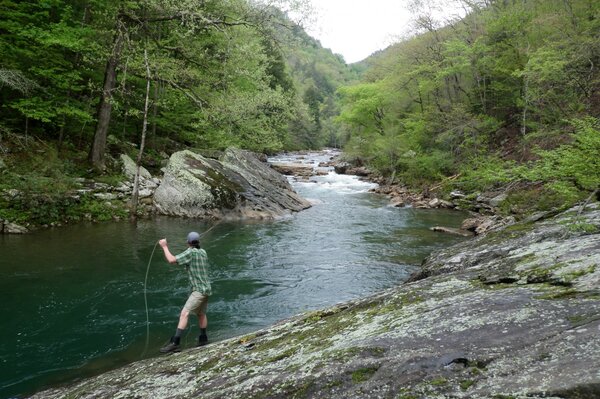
{"points": [[195, 261]]}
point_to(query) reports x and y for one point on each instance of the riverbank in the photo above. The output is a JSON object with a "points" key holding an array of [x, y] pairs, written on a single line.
{"points": [[29, 203], [230, 184], [511, 314]]}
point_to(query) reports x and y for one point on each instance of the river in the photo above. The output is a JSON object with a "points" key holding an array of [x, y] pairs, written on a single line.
{"points": [[72, 300]]}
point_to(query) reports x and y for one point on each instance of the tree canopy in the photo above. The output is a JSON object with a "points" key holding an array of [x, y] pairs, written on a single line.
{"points": [[223, 73], [510, 81]]}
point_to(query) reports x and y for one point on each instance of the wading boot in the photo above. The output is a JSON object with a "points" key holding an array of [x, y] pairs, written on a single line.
{"points": [[172, 346], [202, 340]]}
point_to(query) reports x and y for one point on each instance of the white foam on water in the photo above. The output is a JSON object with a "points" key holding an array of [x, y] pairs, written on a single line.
{"points": [[313, 158], [346, 184], [342, 184], [314, 201]]}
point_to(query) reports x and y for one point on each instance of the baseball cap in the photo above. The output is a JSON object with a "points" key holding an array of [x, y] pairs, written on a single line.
{"points": [[193, 236]]}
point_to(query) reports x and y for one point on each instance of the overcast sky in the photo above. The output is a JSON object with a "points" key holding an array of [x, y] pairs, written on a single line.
{"points": [[357, 28]]}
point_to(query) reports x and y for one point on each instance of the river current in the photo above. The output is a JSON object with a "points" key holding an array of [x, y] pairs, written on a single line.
{"points": [[72, 299]]}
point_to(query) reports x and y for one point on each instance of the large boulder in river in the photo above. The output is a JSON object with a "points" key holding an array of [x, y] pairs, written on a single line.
{"points": [[236, 186]]}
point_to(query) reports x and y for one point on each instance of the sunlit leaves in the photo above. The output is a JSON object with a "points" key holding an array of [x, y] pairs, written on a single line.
{"points": [[363, 105], [572, 166]]}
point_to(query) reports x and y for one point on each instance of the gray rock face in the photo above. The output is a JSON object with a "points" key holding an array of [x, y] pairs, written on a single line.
{"points": [[237, 186], [12, 228], [513, 314], [129, 169], [294, 169], [147, 183]]}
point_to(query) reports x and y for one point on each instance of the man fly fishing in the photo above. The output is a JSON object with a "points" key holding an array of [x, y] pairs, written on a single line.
{"points": [[195, 261]]}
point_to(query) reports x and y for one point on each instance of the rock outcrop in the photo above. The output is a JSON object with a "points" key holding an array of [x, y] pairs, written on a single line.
{"points": [[147, 183], [298, 170], [512, 314], [236, 186], [7, 227], [344, 168]]}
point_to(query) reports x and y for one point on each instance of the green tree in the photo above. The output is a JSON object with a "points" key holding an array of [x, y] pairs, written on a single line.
{"points": [[571, 168], [47, 41]]}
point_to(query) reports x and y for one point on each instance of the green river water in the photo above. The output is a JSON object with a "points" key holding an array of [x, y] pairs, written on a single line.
{"points": [[72, 299]]}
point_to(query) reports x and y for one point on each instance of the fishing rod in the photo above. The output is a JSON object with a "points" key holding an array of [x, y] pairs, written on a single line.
{"points": [[146, 301], [146, 288]]}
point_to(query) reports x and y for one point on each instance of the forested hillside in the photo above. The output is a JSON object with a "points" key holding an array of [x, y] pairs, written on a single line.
{"points": [[510, 94], [507, 97], [84, 81]]}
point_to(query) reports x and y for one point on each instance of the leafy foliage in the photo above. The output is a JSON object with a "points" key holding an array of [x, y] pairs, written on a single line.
{"points": [[573, 167], [223, 73], [504, 86], [476, 97], [486, 173]]}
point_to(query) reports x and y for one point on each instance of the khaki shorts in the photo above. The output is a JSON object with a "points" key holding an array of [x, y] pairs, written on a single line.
{"points": [[196, 303]]}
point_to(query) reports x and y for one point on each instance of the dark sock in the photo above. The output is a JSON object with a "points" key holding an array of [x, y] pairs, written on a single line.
{"points": [[176, 339], [202, 338]]}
